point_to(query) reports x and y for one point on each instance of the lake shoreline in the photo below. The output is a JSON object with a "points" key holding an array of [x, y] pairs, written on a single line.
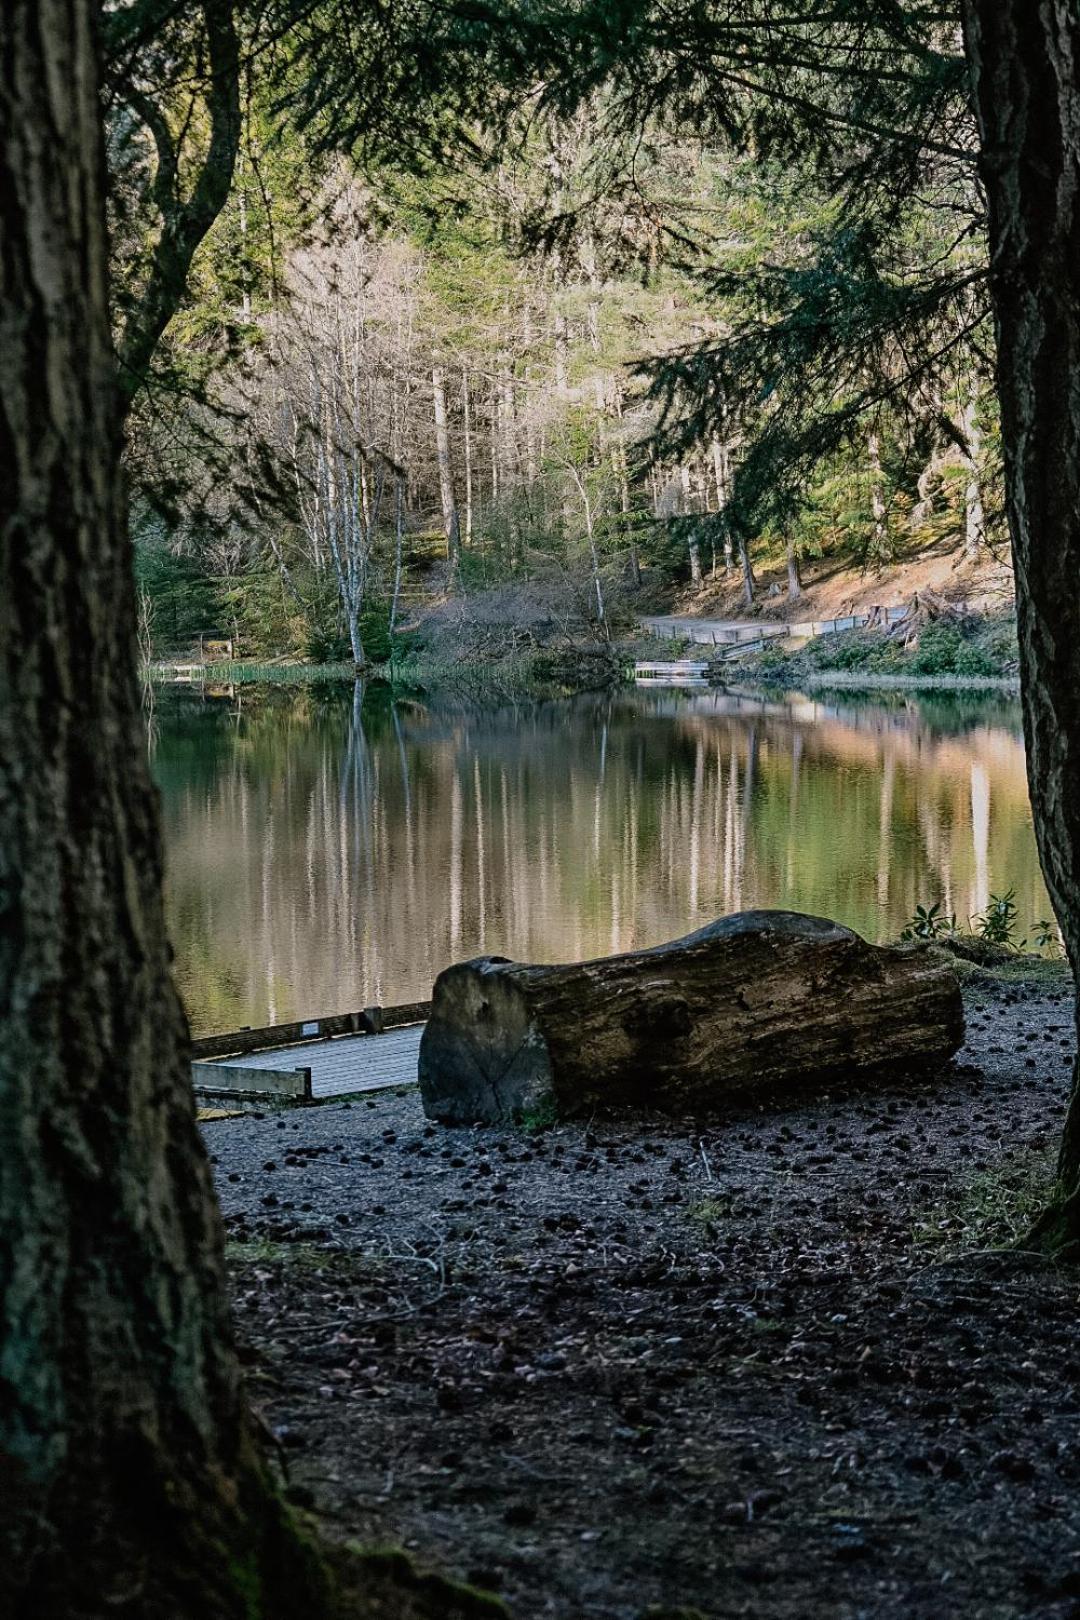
{"points": [[569, 672], [498, 678]]}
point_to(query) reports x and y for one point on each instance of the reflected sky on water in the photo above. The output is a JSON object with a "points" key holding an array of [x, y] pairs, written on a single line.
{"points": [[328, 850]]}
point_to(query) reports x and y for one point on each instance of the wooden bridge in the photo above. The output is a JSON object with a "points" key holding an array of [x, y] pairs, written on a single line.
{"points": [[341, 1056]]}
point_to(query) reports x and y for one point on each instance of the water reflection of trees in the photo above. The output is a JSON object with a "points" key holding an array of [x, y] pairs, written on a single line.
{"points": [[328, 851]]}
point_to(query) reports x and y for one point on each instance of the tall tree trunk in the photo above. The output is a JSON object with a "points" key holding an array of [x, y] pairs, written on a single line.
{"points": [[594, 555], [562, 355], [1025, 65], [794, 583], [467, 410], [720, 475], [509, 423], [356, 642], [399, 535], [694, 549], [974, 516], [531, 467], [879, 543], [451, 526], [128, 1476], [493, 441], [747, 571], [686, 506], [622, 478]]}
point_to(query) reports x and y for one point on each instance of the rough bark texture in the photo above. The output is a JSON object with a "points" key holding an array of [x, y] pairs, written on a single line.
{"points": [[1025, 64], [757, 1001], [747, 572], [129, 1483], [794, 582]]}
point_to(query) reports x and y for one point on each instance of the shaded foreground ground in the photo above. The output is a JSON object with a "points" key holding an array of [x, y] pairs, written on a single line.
{"points": [[761, 1368]]}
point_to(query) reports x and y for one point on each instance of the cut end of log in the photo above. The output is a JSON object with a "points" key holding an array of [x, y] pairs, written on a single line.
{"points": [[762, 1000]]}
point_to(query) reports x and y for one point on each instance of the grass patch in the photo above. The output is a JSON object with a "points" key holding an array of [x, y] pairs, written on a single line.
{"points": [[542, 1117], [1014, 967], [995, 1209], [251, 674], [382, 1578], [517, 676], [708, 1211], [302, 1255], [846, 680]]}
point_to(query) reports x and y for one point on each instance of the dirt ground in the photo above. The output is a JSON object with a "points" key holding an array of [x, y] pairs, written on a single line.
{"points": [[764, 1367], [832, 590]]}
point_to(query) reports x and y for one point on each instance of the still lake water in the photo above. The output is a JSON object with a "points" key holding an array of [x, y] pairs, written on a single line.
{"points": [[325, 854]]}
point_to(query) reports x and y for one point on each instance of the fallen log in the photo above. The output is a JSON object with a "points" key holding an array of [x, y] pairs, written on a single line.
{"points": [[758, 1001]]}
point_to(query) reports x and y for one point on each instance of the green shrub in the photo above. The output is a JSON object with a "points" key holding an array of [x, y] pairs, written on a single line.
{"points": [[971, 660], [855, 650], [774, 665], [944, 650], [939, 645], [328, 643], [253, 604], [996, 639]]}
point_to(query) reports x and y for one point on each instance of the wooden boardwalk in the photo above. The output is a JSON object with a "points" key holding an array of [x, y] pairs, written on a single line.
{"points": [[349, 1064], [740, 633]]}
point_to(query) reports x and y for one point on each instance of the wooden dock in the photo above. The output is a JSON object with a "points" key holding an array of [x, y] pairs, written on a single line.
{"points": [[350, 1063], [340, 1056], [684, 672]]}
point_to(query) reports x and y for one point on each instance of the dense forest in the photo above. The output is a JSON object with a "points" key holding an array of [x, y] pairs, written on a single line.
{"points": [[388, 380]]}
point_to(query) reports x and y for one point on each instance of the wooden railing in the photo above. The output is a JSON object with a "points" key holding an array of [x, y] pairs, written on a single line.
{"points": [[368, 1021]]}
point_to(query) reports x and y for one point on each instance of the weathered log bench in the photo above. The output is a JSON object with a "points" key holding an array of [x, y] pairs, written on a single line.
{"points": [[759, 1001]]}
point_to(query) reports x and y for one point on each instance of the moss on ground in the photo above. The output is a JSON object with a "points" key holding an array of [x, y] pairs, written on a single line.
{"points": [[268, 1251], [993, 1209], [542, 1117], [383, 1583], [660, 1613], [1005, 967], [708, 1211]]}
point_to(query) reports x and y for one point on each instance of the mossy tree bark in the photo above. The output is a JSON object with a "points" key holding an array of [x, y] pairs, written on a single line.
{"points": [[1025, 65], [129, 1480]]}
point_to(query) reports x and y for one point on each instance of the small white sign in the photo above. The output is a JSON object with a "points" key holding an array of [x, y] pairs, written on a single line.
{"points": [[309, 1029]]}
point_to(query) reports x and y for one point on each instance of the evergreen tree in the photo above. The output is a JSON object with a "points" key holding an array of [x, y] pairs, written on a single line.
{"points": [[1026, 75], [129, 1474]]}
